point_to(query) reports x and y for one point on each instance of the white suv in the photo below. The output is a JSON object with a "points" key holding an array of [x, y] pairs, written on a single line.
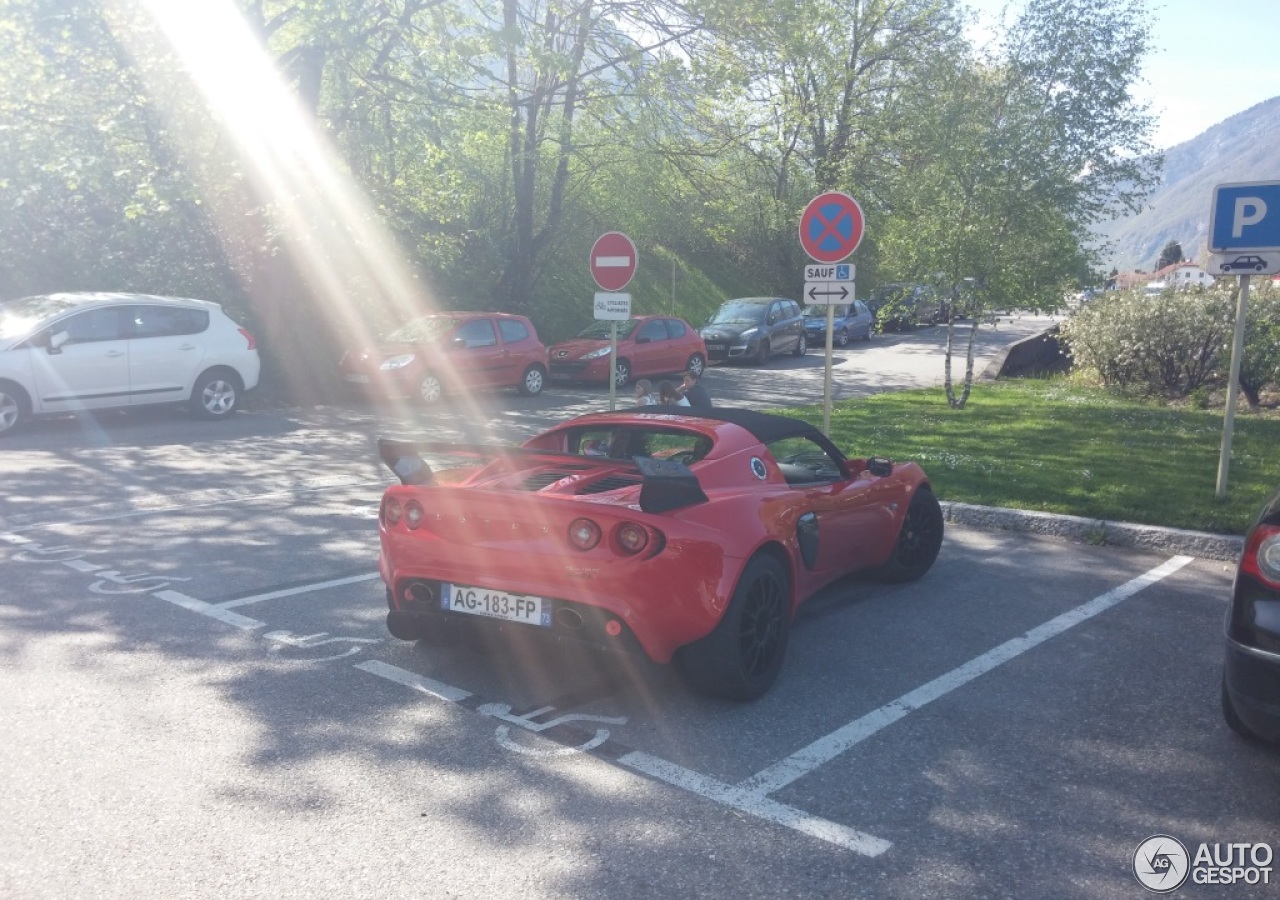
{"points": [[64, 353]]}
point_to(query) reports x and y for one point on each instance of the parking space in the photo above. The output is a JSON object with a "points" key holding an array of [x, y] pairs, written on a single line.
{"points": [[1024, 688]]}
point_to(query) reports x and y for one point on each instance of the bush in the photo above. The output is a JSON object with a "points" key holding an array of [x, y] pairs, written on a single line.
{"points": [[1167, 344], [1260, 364]]}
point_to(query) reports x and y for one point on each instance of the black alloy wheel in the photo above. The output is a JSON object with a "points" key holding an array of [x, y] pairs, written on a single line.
{"points": [[919, 540]]}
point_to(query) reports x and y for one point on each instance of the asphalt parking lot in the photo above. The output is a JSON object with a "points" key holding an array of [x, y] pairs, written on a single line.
{"points": [[202, 700]]}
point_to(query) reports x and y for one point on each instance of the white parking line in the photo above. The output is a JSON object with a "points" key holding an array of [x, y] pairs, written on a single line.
{"points": [[300, 589], [244, 623], [413, 680], [825, 749], [756, 805]]}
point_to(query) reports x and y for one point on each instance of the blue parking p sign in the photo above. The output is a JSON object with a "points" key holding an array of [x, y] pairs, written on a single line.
{"points": [[1245, 217]]}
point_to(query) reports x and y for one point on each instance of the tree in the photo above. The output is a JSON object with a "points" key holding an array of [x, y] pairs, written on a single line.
{"points": [[1016, 154], [1171, 254]]}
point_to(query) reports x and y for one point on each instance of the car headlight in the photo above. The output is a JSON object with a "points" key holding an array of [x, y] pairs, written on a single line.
{"points": [[396, 362], [596, 354], [749, 334]]}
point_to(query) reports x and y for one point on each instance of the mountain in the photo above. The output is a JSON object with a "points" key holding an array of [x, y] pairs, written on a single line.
{"points": [[1243, 148]]}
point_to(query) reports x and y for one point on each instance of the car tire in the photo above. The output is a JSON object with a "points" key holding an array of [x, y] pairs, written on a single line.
{"points": [[430, 388], [842, 337], [216, 394], [622, 373], [15, 407], [697, 364], [919, 540], [1232, 718], [741, 658], [802, 345], [533, 380]]}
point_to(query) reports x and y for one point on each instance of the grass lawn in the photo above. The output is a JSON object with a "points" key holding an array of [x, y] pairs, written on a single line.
{"points": [[1055, 446]]}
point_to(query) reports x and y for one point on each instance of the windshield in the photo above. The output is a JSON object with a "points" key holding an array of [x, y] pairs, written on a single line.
{"points": [[428, 328], [599, 331], [739, 312], [20, 317], [820, 312]]}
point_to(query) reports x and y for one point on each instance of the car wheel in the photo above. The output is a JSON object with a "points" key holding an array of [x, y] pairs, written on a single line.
{"points": [[14, 407], [919, 540], [802, 345], [697, 364], [842, 337], [741, 658], [1259, 267], [1232, 718], [533, 380], [216, 394], [430, 388], [622, 373]]}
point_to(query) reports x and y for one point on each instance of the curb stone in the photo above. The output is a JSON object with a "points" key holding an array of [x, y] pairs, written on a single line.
{"points": [[1097, 531]]}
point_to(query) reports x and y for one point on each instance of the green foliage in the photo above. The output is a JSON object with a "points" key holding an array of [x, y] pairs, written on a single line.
{"points": [[1172, 253], [1057, 446], [1260, 364], [1166, 345]]}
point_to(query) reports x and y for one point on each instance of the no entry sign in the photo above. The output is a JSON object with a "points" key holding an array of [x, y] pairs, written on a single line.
{"points": [[613, 260], [831, 227]]}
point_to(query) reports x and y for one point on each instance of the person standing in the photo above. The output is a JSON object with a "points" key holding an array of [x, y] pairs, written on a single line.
{"points": [[644, 393], [693, 391]]}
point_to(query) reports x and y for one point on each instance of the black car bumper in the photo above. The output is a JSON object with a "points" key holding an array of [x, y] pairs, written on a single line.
{"points": [[1252, 681]]}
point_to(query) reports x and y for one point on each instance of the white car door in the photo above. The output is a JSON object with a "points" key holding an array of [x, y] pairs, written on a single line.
{"points": [[89, 369], [166, 350]]}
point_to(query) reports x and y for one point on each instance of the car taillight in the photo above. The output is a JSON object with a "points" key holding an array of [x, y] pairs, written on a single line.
{"points": [[391, 510], [583, 534], [632, 538], [253, 344], [1261, 557], [413, 514]]}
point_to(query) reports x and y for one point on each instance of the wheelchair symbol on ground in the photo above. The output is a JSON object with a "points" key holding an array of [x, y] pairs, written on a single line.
{"points": [[503, 732]]}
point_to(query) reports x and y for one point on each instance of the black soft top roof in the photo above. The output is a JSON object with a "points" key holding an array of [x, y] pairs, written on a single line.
{"points": [[765, 427]]}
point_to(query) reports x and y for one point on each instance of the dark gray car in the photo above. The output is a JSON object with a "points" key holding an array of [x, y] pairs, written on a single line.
{"points": [[754, 329]]}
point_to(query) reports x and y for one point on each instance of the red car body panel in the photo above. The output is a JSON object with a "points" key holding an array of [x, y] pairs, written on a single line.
{"points": [[504, 526], [647, 348], [460, 365]]}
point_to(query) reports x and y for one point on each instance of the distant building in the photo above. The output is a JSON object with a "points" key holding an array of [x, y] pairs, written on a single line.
{"points": [[1178, 275]]}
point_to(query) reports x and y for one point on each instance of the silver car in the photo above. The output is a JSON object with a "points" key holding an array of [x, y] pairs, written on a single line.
{"points": [[66, 353]]}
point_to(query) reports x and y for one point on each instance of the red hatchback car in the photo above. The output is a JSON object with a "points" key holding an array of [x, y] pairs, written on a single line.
{"points": [[455, 351], [647, 346]]}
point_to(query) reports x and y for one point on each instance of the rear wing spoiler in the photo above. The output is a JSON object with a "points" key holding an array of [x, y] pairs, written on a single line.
{"points": [[666, 485]]}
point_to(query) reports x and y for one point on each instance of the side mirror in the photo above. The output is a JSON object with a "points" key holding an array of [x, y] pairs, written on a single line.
{"points": [[459, 342], [57, 340], [880, 467], [641, 339]]}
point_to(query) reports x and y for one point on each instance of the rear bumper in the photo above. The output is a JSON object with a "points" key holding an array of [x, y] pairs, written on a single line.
{"points": [[1252, 679]]}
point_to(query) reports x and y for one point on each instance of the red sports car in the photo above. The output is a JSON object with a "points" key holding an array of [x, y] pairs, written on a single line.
{"points": [[679, 534]]}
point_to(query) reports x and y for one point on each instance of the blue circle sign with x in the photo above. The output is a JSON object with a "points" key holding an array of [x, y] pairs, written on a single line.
{"points": [[831, 227]]}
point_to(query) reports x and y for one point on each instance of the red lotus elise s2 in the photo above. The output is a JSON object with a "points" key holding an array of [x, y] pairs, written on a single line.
{"points": [[685, 535]]}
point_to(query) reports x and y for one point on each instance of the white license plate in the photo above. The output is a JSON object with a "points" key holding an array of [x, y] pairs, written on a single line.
{"points": [[496, 604], [357, 379]]}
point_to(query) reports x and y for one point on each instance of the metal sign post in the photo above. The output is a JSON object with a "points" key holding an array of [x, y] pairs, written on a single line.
{"points": [[829, 285], [613, 263], [1233, 389]]}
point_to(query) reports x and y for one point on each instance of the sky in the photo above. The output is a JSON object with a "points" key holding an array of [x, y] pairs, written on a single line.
{"points": [[1208, 61]]}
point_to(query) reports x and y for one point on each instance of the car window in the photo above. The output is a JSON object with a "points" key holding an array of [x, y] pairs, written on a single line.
{"points": [[860, 308], [676, 328], [600, 330], [625, 442], [90, 326], [19, 317], [477, 333], [804, 461], [790, 309], [513, 330], [775, 313], [427, 328], [654, 330], [163, 321], [740, 312]]}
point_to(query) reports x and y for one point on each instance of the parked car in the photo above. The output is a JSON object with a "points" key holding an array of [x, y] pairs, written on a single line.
{"points": [[451, 351], [754, 329], [647, 345], [850, 320], [901, 307], [679, 534], [1251, 668], [64, 353]]}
